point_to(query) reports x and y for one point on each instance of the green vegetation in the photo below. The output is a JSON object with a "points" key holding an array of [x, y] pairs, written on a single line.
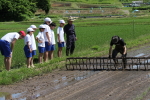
{"points": [[91, 1], [140, 97], [93, 40], [19, 10], [44, 5], [16, 10]]}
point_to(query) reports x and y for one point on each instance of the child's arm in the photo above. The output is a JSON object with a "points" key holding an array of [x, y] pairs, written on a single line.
{"points": [[37, 38], [29, 47], [48, 37], [13, 43], [58, 38]]}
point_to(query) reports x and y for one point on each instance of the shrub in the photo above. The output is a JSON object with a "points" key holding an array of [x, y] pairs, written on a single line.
{"points": [[16, 10]]}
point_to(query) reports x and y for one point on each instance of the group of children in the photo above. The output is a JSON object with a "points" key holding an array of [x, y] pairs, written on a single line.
{"points": [[46, 41]]}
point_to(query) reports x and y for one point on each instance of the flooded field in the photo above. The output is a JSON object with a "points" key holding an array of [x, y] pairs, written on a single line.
{"points": [[83, 84]]}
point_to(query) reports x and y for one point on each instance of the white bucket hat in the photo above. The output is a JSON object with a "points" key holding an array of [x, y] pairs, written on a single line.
{"points": [[47, 20], [33, 26], [30, 30], [42, 26], [62, 21]]}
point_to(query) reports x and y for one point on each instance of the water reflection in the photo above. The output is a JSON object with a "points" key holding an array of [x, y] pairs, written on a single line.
{"points": [[8, 96], [57, 84]]}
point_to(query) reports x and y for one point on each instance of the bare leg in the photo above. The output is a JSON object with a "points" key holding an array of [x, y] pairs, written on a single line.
{"points": [[45, 56], [29, 62], [50, 55], [7, 61], [59, 53], [40, 57]]}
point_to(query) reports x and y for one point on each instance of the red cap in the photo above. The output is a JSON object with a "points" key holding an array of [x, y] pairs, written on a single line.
{"points": [[22, 33]]}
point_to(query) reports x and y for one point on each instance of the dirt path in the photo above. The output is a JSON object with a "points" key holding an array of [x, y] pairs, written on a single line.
{"points": [[83, 85], [105, 86]]}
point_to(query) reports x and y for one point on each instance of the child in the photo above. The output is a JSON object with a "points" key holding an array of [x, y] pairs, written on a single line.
{"points": [[28, 48], [6, 49], [41, 42], [60, 37], [47, 37], [52, 27], [33, 45]]}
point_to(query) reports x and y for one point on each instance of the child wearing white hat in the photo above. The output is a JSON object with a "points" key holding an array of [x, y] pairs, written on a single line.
{"points": [[60, 37], [33, 45], [52, 27], [28, 48], [47, 37], [41, 42]]}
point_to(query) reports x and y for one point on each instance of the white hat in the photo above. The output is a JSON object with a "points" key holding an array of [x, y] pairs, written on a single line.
{"points": [[32, 26], [42, 26], [62, 21], [30, 30], [47, 20]]}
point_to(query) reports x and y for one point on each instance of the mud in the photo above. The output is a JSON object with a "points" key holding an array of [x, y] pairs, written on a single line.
{"points": [[83, 85]]}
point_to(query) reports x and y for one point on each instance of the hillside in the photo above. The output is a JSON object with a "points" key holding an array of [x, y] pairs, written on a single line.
{"points": [[86, 8]]}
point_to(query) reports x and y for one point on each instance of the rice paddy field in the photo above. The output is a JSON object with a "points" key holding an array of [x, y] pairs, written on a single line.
{"points": [[94, 35], [91, 33]]}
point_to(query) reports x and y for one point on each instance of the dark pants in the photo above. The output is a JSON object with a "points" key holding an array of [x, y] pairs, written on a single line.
{"points": [[70, 45], [114, 54]]}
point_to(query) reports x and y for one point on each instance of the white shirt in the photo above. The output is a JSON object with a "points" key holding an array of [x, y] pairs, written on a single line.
{"points": [[60, 31], [40, 37], [52, 37], [33, 45], [47, 29], [10, 36], [27, 38]]}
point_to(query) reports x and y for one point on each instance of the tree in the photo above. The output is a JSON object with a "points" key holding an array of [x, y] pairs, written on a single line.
{"points": [[44, 5], [16, 10]]}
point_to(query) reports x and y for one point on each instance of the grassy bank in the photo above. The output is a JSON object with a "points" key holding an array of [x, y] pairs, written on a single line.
{"points": [[91, 33]]}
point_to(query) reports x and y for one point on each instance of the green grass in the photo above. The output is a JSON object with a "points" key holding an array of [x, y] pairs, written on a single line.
{"points": [[93, 40], [140, 97]]}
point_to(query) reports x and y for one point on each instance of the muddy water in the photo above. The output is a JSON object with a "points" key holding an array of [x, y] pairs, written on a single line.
{"points": [[56, 84], [60, 79]]}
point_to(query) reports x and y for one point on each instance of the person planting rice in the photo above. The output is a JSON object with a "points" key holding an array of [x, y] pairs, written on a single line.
{"points": [[120, 47], [47, 37], [41, 42], [28, 48], [60, 37], [69, 30], [52, 27], [33, 45], [7, 43]]}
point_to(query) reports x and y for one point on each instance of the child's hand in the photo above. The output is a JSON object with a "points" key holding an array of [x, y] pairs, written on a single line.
{"points": [[11, 54], [40, 41], [30, 50]]}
